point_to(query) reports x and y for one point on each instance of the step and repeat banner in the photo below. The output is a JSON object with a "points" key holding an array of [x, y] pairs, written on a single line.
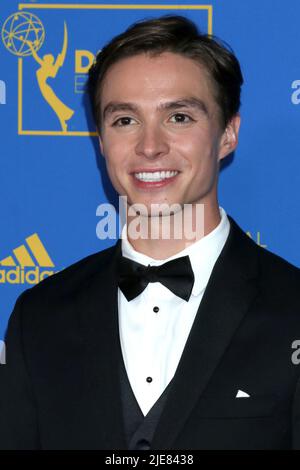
{"points": [[52, 175]]}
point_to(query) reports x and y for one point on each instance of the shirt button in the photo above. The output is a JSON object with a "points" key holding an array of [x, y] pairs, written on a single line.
{"points": [[155, 309], [149, 379]]}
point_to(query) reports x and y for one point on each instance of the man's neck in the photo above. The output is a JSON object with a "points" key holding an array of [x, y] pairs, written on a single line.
{"points": [[160, 247]]}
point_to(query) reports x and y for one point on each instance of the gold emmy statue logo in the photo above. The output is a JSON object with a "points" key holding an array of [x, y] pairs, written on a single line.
{"points": [[23, 35], [49, 67]]}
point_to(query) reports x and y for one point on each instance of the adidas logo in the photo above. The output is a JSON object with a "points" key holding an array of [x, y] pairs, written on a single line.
{"points": [[26, 263]]}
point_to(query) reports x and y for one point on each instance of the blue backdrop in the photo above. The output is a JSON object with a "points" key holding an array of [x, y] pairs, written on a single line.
{"points": [[52, 181]]}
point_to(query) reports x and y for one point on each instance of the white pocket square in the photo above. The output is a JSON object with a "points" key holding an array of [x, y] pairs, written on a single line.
{"points": [[241, 394]]}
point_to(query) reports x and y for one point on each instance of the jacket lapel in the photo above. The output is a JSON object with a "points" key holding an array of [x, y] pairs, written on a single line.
{"points": [[102, 356], [226, 300]]}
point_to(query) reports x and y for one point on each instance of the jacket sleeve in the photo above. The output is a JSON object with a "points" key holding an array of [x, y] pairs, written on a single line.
{"points": [[18, 412]]}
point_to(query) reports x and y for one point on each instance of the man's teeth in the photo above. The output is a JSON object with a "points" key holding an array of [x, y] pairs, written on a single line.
{"points": [[155, 176]]}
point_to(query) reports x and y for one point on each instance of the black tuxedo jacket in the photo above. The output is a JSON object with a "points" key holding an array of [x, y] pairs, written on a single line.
{"points": [[60, 387]]}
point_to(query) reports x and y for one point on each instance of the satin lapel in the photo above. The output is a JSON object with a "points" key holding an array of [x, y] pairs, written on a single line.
{"points": [[99, 322], [227, 298]]}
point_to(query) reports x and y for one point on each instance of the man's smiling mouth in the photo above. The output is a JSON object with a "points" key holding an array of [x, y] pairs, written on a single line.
{"points": [[155, 176]]}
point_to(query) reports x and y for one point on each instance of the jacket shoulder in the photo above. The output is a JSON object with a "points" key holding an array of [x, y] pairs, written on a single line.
{"points": [[74, 277], [279, 280], [277, 277], [275, 267]]}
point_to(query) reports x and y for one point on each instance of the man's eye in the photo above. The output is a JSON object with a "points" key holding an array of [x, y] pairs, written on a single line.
{"points": [[123, 121], [181, 118]]}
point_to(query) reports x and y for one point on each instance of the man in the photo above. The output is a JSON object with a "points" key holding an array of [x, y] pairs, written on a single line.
{"points": [[195, 351]]}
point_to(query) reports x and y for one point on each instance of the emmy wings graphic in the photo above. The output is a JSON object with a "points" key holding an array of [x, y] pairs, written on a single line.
{"points": [[23, 34], [49, 68]]}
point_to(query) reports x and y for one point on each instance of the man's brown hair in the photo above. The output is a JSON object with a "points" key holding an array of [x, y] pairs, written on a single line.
{"points": [[177, 34]]}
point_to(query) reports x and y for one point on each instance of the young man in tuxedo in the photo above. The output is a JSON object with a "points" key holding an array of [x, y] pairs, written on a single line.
{"points": [[158, 343]]}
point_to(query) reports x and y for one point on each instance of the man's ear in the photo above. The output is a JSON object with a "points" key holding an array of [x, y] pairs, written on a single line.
{"points": [[230, 136], [100, 145]]}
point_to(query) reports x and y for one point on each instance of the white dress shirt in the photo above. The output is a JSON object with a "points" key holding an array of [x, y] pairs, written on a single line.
{"points": [[154, 326]]}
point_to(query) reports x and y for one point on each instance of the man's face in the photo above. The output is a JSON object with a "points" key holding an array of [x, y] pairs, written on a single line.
{"points": [[161, 134]]}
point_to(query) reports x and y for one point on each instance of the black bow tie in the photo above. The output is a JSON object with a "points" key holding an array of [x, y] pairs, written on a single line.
{"points": [[177, 275]]}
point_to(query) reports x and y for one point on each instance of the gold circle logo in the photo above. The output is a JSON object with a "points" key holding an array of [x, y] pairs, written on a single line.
{"points": [[21, 28]]}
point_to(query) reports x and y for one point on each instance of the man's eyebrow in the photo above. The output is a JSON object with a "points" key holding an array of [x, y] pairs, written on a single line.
{"points": [[114, 106], [193, 102]]}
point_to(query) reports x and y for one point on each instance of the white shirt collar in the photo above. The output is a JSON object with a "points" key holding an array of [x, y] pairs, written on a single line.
{"points": [[203, 253]]}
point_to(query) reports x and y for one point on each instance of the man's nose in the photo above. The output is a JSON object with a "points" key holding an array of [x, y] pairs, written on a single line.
{"points": [[152, 142]]}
